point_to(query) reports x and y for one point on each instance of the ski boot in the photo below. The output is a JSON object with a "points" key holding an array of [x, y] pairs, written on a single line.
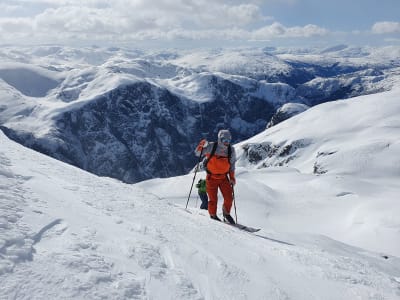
{"points": [[215, 218], [229, 218]]}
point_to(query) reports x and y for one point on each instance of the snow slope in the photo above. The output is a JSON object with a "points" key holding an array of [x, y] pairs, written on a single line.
{"points": [[65, 233], [29, 80], [352, 146]]}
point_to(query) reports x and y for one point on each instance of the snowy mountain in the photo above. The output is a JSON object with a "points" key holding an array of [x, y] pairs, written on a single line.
{"points": [[66, 233], [342, 137], [109, 110], [285, 112]]}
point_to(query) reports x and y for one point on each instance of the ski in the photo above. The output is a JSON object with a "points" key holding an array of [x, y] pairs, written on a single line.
{"points": [[246, 228], [238, 226], [243, 227]]}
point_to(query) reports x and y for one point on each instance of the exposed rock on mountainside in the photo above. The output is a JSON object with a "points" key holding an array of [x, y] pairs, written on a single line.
{"points": [[285, 112], [140, 131]]}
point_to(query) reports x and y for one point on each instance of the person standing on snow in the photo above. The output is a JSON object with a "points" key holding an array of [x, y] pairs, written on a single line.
{"points": [[219, 163], [202, 191]]}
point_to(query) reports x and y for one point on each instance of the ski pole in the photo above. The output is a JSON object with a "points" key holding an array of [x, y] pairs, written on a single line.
{"points": [[194, 177], [234, 202]]}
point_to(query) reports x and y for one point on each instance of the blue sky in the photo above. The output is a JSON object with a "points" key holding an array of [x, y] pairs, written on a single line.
{"points": [[347, 15], [194, 23]]}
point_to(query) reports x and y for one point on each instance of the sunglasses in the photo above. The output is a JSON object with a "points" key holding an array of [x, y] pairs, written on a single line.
{"points": [[225, 141]]}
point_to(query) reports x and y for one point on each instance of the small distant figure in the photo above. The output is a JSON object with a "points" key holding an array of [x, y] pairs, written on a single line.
{"points": [[202, 191]]}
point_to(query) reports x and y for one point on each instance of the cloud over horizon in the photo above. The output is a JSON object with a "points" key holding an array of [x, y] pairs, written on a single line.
{"points": [[386, 27], [121, 21]]}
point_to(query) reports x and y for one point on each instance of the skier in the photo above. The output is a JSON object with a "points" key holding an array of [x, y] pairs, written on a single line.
{"points": [[202, 191], [219, 163]]}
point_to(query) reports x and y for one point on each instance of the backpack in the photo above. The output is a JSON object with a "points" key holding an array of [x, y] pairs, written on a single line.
{"points": [[201, 185], [207, 159]]}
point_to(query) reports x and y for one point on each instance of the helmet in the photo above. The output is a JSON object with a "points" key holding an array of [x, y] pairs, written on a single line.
{"points": [[224, 136]]}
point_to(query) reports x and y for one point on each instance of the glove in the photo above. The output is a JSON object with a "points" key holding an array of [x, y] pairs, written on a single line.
{"points": [[232, 179], [203, 143]]}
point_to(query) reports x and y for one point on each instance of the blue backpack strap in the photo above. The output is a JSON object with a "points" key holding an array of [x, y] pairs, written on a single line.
{"points": [[214, 148]]}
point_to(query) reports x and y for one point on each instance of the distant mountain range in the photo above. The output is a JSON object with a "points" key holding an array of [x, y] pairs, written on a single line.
{"points": [[135, 115]]}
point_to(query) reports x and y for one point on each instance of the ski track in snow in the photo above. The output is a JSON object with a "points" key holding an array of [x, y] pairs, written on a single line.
{"points": [[66, 234]]}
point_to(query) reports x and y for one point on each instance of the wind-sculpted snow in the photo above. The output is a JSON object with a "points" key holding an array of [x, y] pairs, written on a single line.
{"points": [[135, 115], [15, 242]]}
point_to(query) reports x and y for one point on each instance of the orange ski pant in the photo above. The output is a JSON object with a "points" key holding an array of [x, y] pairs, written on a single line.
{"points": [[213, 183]]}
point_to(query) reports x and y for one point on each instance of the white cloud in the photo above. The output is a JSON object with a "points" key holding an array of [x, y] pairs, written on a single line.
{"points": [[386, 27], [59, 3], [244, 14], [80, 20], [129, 20], [309, 30], [9, 8], [277, 30], [203, 13], [12, 26], [274, 31]]}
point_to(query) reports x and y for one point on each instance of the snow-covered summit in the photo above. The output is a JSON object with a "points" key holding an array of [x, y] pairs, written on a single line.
{"points": [[253, 63], [359, 136]]}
